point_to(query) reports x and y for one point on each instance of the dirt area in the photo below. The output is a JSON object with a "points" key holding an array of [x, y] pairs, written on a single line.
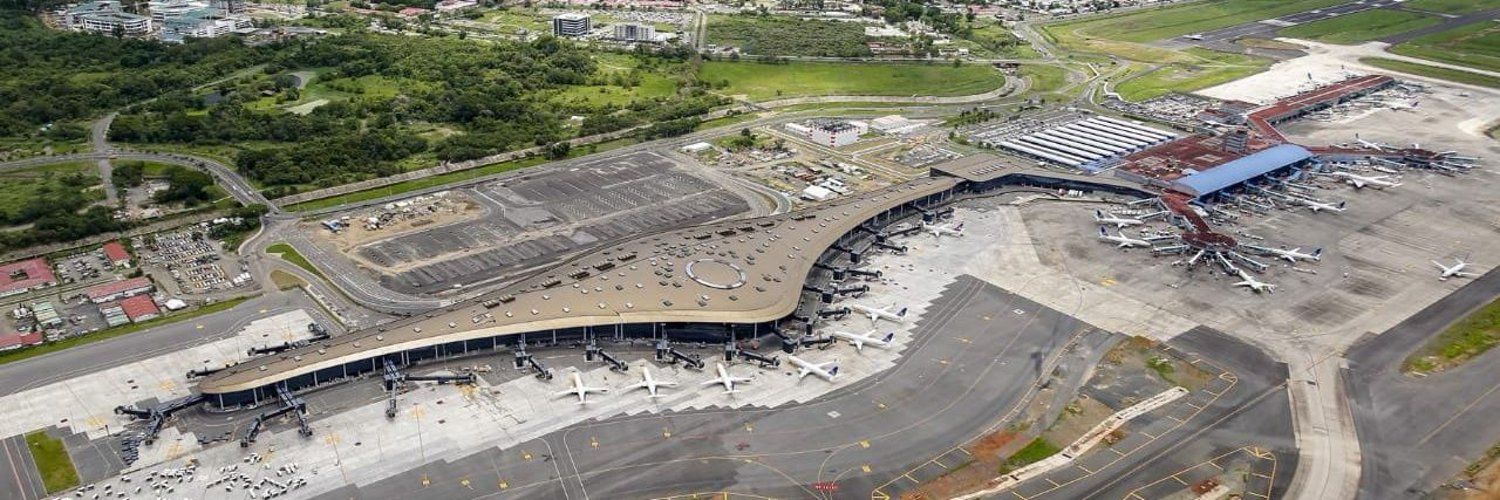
{"points": [[1140, 353], [1081, 415], [285, 280], [989, 454], [453, 208], [1481, 480]]}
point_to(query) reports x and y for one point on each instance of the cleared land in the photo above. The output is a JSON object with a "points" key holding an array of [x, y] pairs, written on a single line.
{"points": [[1474, 45], [52, 461], [768, 81], [1451, 75], [1361, 26], [1156, 24], [1209, 69], [1464, 340], [1454, 6]]}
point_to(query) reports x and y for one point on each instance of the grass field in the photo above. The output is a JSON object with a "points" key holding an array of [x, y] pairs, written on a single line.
{"points": [[1451, 75], [19, 188], [1464, 340], [1453, 6], [762, 81], [109, 333], [289, 254], [1361, 26], [52, 460], [1156, 24], [1045, 77], [787, 36], [1211, 68], [1474, 45], [1036, 450]]}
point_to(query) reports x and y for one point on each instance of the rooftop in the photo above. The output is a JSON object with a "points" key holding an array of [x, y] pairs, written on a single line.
{"points": [[115, 287], [1241, 170], [26, 274]]}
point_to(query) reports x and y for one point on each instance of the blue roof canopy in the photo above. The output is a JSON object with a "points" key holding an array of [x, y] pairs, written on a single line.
{"points": [[1241, 170]]}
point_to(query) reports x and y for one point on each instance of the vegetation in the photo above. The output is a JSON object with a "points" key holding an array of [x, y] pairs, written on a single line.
{"points": [[1208, 68], [52, 460], [1045, 77], [109, 333], [289, 254], [1475, 45], [1156, 24], [1360, 26], [1467, 339], [1453, 6], [788, 36], [766, 81], [56, 201], [1034, 451], [1452, 75]]}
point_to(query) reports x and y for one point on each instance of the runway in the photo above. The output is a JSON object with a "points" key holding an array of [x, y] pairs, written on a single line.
{"points": [[19, 478], [974, 357]]}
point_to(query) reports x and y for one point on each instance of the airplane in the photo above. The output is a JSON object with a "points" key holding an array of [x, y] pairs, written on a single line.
{"points": [[1454, 270], [725, 379], [876, 315], [1372, 145], [944, 230], [1359, 181], [1257, 286], [1194, 36], [1292, 255], [650, 383], [580, 390], [1317, 206], [1103, 217], [859, 341], [1124, 241], [826, 371]]}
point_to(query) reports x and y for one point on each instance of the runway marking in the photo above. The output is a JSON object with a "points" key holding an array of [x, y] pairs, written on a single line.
{"points": [[1085, 469], [199, 327], [749, 428], [1190, 403], [425, 481], [331, 437], [1147, 434], [866, 468], [1455, 416], [503, 484], [964, 340], [1116, 451], [1054, 483], [909, 478], [940, 463], [1259, 475], [167, 385], [880, 405], [95, 422], [864, 443], [593, 441], [465, 482], [665, 434], [525, 455], [1184, 483], [1256, 494]]}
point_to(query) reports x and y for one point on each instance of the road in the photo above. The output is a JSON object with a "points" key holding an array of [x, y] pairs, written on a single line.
{"points": [[224, 175], [99, 142]]}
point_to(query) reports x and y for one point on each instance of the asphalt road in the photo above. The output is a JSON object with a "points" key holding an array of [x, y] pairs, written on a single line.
{"points": [[19, 479], [973, 359], [1415, 433], [223, 174], [1223, 38]]}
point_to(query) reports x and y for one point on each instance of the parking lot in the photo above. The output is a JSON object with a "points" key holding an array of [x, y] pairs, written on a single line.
{"points": [[191, 260], [535, 218]]}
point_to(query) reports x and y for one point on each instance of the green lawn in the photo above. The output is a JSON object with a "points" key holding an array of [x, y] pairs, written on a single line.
{"points": [[51, 458], [1451, 75], [1045, 77], [109, 333], [1209, 69], [1475, 45], [1464, 340], [1361, 26], [1156, 24], [20, 188], [787, 36], [1037, 450], [1453, 6], [652, 85], [762, 81], [289, 254]]}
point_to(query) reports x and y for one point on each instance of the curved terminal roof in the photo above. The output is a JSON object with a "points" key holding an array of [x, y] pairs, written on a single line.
{"points": [[742, 271]]}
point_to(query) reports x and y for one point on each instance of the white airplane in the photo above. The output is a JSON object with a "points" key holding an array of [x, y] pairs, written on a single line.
{"points": [[826, 371], [725, 379], [1257, 286], [1103, 217], [876, 314], [1359, 181], [1372, 145], [1454, 270], [650, 383], [859, 341], [1317, 206], [1292, 255], [944, 230], [581, 390], [1124, 241]]}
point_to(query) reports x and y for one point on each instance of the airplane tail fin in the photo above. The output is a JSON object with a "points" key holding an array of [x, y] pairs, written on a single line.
{"points": [[889, 336], [1103, 232], [901, 313], [1341, 204], [833, 372], [959, 227], [1317, 252], [1098, 214]]}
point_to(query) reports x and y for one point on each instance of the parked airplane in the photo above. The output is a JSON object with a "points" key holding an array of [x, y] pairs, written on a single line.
{"points": [[1257, 286], [876, 315], [650, 383], [1122, 240], [1103, 217], [1359, 181], [944, 230], [1292, 255], [1454, 270], [1318, 206], [581, 390], [725, 379], [859, 341], [1372, 145], [826, 371]]}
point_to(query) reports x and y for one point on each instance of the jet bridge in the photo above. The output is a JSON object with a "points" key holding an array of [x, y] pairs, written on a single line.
{"points": [[289, 404]]}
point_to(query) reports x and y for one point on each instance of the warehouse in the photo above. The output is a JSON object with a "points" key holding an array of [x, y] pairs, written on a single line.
{"points": [[1092, 144]]}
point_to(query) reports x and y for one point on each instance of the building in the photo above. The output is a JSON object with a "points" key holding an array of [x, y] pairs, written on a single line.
{"points": [[228, 6], [106, 16], [114, 315], [140, 308], [447, 6], [45, 315], [119, 290], [1245, 169], [201, 23], [632, 32], [11, 339], [24, 276], [572, 24], [836, 133], [115, 253]]}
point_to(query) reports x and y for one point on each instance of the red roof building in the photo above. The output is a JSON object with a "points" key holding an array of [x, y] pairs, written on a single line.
{"points": [[116, 254], [140, 308], [118, 290], [26, 275], [13, 340]]}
